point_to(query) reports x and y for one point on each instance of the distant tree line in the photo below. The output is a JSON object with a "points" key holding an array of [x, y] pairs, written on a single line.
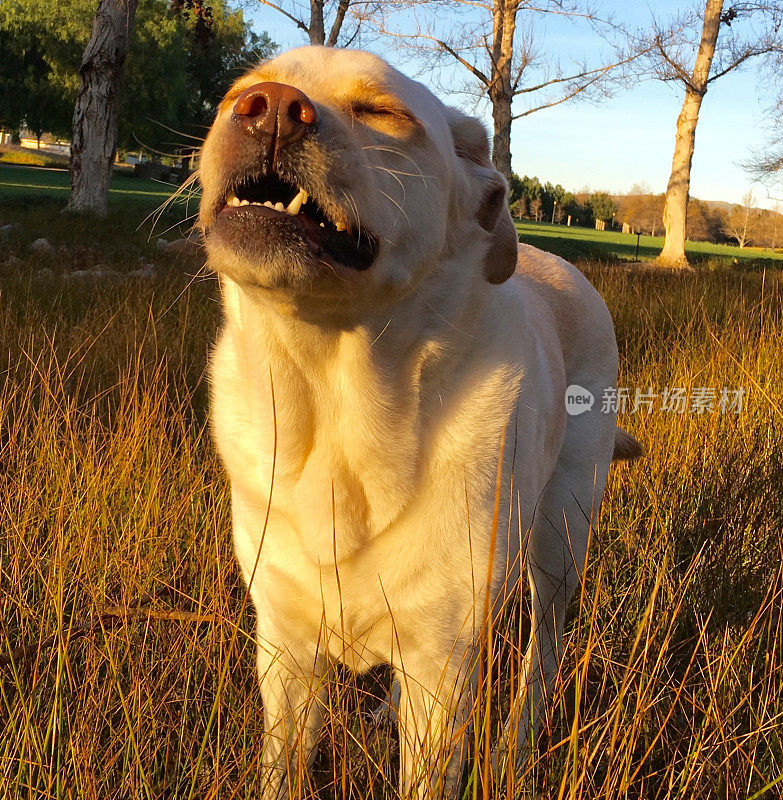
{"points": [[642, 210], [741, 224], [530, 199]]}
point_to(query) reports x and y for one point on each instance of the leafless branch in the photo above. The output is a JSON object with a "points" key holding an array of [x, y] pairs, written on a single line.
{"points": [[465, 63], [334, 33], [360, 11], [677, 69], [593, 74], [568, 96], [298, 22], [742, 58]]}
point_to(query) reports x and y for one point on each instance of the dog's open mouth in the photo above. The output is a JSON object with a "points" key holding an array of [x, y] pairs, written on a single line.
{"points": [[272, 197]]}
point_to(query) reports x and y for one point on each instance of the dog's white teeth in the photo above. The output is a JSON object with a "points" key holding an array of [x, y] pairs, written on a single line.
{"points": [[294, 206], [340, 226]]}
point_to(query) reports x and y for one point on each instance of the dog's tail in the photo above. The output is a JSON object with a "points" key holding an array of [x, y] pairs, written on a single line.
{"points": [[626, 448]]}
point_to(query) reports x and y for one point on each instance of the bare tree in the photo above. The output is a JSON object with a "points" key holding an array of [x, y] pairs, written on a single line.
{"points": [[519, 208], [766, 165], [641, 209], [739, 222], [95, 115], [769, 228], [325, 15], [724, 39], [495, 42], [535, 208]]}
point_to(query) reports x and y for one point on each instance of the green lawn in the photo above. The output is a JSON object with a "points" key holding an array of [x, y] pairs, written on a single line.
{"points": [[587, 244], [19, 184], [33, 197], [32, 158]]}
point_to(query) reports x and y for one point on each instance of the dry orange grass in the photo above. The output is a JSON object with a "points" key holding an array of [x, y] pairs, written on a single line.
{"points": [[126, 657]]}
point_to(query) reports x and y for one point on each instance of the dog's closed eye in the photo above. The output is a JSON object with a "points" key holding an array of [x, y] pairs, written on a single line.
{"points": [[362, 107], [383, 112]]}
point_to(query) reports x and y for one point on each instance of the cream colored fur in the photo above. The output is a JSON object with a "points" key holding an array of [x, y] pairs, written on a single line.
{"points": [[361, 418]]}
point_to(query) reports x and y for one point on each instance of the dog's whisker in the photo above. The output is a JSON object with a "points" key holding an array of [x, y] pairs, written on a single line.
{"points": [[391, 172], [375, 340], [331, 269], [399, 172], [447, 321], [392, 200], [179, 133], [355, 209], [395, 151], [181, 222], [156, 214]]}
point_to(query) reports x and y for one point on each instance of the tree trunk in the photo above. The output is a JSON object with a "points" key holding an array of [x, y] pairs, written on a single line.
{"points": [[317, 31], [95, 114], [675, 207], [337, 25], [501, 139], [501, 94]]}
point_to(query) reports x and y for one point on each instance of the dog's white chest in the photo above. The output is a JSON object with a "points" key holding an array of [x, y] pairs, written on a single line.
{"points": [[339, 469]]}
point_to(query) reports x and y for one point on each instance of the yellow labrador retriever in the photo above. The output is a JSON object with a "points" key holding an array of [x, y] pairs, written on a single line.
{"points": [[391, 378]]}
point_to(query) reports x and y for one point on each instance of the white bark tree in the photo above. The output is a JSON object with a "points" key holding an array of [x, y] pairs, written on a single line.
{"points": [[696, 50], [95, 114], [740, 221], [535, 208]]}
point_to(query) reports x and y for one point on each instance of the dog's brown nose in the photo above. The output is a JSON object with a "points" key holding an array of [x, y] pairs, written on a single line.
{"points": [[274, 111]]}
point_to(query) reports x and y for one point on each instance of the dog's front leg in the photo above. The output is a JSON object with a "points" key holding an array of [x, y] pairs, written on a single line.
{"points": [[556, 554], [290, 667], [434, 723], [292, 689]]}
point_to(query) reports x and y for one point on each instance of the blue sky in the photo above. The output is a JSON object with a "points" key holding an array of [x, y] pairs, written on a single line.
{"points": [[622, 140]]}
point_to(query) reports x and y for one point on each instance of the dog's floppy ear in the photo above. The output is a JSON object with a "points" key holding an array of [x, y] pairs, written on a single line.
{"points": [[490, 195]]}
